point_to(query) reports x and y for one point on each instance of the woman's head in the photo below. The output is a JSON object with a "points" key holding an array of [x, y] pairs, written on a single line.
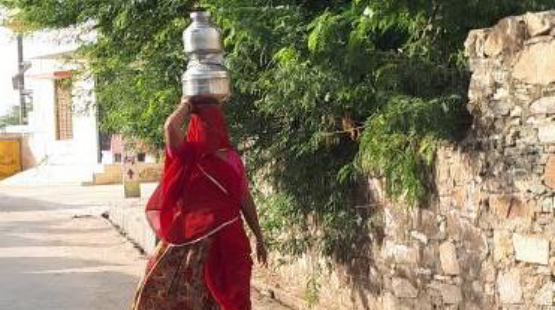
{"points": [[208, 126]]}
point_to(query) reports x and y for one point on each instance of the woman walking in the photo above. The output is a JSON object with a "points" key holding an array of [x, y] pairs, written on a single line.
{"points": [[203, 260]]}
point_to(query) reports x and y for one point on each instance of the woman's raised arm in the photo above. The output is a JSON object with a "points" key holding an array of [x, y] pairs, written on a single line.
{"points": [[173, 128]]}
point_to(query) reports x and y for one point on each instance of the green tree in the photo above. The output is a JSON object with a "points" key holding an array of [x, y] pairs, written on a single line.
{"points": [[10, 118], [325, 91]]}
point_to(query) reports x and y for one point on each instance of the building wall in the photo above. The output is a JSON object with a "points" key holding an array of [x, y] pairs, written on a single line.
{"points": [[83, 149]]}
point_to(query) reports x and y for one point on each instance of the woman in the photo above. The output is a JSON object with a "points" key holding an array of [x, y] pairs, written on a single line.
{"points": [[203, 260]]}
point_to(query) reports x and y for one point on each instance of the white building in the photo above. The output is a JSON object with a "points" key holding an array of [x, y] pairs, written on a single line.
{"points": [[63, 121], [61, 134], [61, 140]]}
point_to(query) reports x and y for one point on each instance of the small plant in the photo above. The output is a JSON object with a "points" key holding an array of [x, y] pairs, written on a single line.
{"points": [[399, 143], [312, 291]]}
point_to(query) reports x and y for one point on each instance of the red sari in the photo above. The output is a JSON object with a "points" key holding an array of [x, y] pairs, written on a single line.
{"points": [[196, 213]]}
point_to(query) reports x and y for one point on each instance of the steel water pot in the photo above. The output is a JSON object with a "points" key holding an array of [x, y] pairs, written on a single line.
{"points": [[206, 79], [201, 37], [212, 58]]}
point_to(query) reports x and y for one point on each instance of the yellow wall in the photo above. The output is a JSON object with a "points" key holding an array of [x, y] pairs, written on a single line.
{"points": [[10, 158]]}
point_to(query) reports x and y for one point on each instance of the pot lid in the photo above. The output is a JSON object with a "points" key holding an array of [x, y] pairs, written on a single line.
{"points": [[200, 16], [205, 71]]}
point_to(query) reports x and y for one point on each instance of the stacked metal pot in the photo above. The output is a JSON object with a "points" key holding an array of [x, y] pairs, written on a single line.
{"points": [[206, 73]]}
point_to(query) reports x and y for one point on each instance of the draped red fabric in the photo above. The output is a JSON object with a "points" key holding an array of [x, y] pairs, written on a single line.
{"points": [[188, 205]]}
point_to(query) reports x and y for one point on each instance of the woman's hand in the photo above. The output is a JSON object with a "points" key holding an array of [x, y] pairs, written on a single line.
{"points": [[174, 124], [184, 109], [261, 253], [249, 212]]}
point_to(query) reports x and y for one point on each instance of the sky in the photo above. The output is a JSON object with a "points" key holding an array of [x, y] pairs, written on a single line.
{"points": [[35, 45], [8, 68]]}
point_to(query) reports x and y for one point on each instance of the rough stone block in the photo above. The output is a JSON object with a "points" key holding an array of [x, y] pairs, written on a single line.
{"points": [[430, 257], [419, 236], [539, 23], [536, 64], [543, 270], [549, 174], [460, 196], [545, 105], [443, 176], [500, 205], [502, 245], [481, 87], [448, 257], [473, 206], [474, 44], [546, 205], [509, 288], [471, 263], [402, 288], [489, 271], [475, 291], [509, 207], [423, 303], [502, 107], [489, 289], [523, 184], [428, 224], [472, 238], [454, 225], [390, 302], [538, 188], [400, 253], [507, 36], [544, 297], [546, 133], [474, 241], [396, 222], [531, 249], [451, 294]]}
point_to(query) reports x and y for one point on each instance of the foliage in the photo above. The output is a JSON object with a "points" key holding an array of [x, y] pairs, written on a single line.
{"points": [[412, 128], [10, 118], [312, 290], [325, 91]]}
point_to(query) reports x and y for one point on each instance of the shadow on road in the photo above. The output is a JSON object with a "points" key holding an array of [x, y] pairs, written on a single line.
{"points": [[54, 283], [21, 204], [51, 259]]}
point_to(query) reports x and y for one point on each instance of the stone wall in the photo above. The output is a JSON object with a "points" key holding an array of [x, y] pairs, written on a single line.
{"points": [[487, 238]]}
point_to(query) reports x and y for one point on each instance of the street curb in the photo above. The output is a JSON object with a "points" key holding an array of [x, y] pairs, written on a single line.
{"points": [[130, 221]]}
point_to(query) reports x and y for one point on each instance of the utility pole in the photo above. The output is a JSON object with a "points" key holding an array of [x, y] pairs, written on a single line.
{"points": [[21, 84]]}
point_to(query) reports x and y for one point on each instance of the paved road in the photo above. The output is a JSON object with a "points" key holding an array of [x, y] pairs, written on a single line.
{"points": [[54, 256], [57, 253]]}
